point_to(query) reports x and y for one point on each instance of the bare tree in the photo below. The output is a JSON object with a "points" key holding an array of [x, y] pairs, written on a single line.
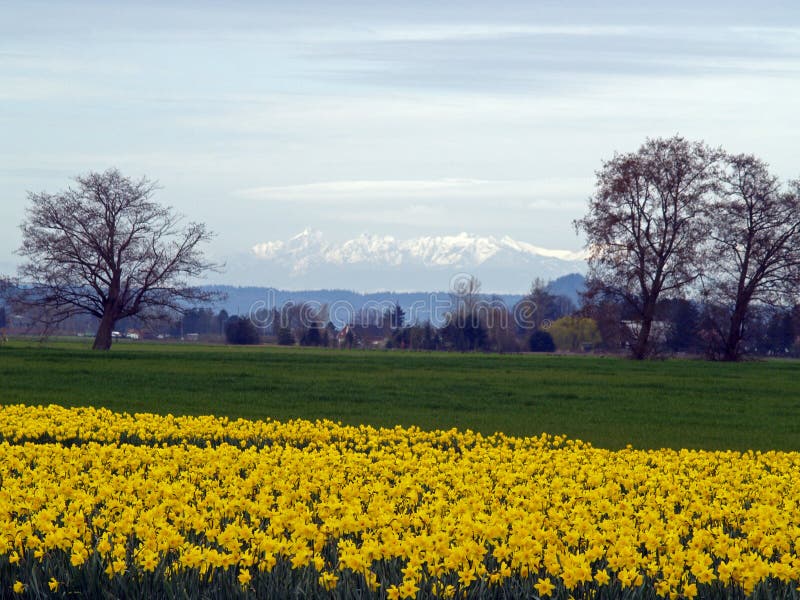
{"points": [[754, 254], [465, 293], [6, 287], [539, 307], [645, 224], [465, 324], [104, 248]]}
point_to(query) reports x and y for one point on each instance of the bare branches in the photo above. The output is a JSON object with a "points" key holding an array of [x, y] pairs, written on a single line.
{"points": [[644, 228], [754, 253], [106, 249], [677, 215]]}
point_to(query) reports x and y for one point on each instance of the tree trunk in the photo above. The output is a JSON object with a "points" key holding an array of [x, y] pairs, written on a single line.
{"points": [[102, 340], [640, 346], [731, 350]]}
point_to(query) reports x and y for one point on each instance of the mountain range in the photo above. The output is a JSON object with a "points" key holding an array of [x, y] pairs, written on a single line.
{"points": [[375, 263]]}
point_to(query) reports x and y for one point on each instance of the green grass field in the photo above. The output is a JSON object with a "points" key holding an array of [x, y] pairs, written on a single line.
{"points": [[609, 402]]}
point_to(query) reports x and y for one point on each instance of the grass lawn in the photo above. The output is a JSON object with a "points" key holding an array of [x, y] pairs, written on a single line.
{"points": [[609, 402]]}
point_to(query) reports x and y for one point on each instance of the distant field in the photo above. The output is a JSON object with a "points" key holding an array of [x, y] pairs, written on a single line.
{"points": [[609, 402]]}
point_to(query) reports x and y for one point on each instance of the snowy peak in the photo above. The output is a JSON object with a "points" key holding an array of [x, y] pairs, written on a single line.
{"points": [[372, 262], [452, 251], [464, 250], [537, 250]]}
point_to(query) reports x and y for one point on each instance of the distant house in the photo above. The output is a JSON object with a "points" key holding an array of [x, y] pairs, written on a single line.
{"points": [[658, 329], [361, 336], [192, 337]]}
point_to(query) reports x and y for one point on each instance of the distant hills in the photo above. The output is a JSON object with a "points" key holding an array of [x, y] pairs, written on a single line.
{"points": [[373, 262], [342, 304]]}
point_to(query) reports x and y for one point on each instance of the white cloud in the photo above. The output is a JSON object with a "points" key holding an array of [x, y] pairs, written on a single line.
{"points": [[469, 31], [358, 191], [366, 188]]}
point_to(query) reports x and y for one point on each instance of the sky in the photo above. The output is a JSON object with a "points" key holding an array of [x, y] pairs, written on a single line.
{"points": [[411, 118]]}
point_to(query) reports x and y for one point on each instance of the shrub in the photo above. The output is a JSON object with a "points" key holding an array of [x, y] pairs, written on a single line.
{"points": [[241, 331], [574, 333], [541, 341]]}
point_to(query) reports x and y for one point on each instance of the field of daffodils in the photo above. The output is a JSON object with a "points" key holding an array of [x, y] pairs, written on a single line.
{"points": [[96, 503]]}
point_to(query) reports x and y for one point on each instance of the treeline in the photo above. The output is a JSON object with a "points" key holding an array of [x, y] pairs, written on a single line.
{"points": [[540, 322], [474, 322]]}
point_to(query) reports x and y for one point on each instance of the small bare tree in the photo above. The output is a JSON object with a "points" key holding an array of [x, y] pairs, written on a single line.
{"points": [[465, 293], [104, 248], [754, 253], [645, 224]]}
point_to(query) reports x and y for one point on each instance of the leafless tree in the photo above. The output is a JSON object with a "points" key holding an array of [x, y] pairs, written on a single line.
{"points": [[500, 329], [465, 293], [105, 248], [608, 312], [645, 224], [754, 253], [538, 308], [5, 285]]}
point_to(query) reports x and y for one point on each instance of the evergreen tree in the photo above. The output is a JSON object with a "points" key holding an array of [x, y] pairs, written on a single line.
{"points": [[285, 336], [220, 320], [684, 318], [312, 335]]}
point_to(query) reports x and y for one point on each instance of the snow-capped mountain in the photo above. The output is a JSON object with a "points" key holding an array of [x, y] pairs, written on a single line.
{"points": [[372, 262]]}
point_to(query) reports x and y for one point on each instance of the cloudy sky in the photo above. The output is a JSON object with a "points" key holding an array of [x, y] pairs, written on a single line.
{"points": [[404, 118]]}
